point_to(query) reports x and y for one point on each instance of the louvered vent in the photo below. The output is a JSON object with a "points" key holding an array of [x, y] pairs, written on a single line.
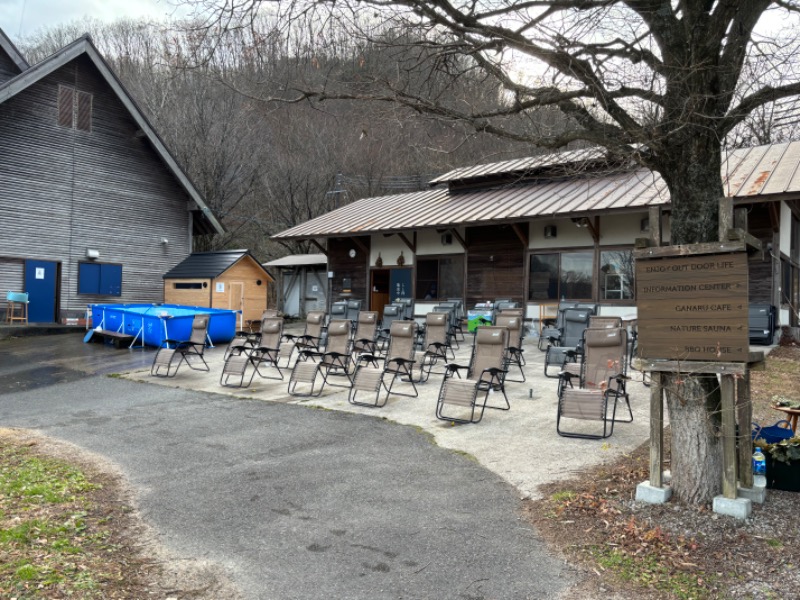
{"points": [[84, 122], [74, 108], [66, 100]]}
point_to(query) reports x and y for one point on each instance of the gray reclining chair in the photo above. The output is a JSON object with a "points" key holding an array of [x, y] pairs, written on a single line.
{"points": [[575, 321]]}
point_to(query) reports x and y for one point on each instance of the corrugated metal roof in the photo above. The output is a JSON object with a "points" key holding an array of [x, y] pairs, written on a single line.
{"points": [[761, 171], [295, 260], [566, 159], [207, 264]]}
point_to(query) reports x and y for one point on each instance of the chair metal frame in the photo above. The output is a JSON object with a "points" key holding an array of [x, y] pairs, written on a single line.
{"points": [[398, 364], [335, 360], [266, 353], [576, 320], [192, 348], [513, 323], [436, 345], [365, 333], [313, 335], [488, 365], [602, 375]]}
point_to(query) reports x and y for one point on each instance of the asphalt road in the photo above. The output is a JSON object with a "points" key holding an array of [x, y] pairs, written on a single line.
{"points": [[292, 502]]}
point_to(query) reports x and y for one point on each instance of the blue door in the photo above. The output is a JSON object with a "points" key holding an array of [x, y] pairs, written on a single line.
{"points": [[40, 283]]}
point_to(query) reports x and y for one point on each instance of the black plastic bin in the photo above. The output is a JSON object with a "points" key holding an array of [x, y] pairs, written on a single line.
{"points": [[761, 323], [781, 475]]}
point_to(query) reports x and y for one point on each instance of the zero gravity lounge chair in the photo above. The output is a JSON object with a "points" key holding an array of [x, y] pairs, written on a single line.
{"points": [[172, 353], [602, 384], [514, 350], [311, 339], [370, 378], [566, 347], [335, 360], [436, 344], [364, 335], [265, 354], [464, 400]]}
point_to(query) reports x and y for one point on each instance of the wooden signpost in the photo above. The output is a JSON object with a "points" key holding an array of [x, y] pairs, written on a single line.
{"points": [[693, 307], [692, 304]]}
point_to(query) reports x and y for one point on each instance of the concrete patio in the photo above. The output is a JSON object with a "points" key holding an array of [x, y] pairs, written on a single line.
{"points": [[521, 444]]}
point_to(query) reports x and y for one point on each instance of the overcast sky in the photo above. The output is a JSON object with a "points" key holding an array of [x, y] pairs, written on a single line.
{"points": [[19, 18]]}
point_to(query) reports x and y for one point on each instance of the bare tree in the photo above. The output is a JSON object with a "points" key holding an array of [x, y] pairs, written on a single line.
{"points": [[661, 82]]}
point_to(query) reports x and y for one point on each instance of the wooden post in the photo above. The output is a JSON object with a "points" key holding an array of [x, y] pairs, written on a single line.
{"points": [[729, 464], [656, 430], [654, 218], [744, 413], [725, 217]]}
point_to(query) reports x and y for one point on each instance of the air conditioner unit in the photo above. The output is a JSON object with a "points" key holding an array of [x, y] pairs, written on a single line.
{"points": [[447, 239], [550, 231]]}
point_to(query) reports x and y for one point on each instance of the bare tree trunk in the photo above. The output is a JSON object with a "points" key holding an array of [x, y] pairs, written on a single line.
{"points": [[692, 174], [693, 404]]}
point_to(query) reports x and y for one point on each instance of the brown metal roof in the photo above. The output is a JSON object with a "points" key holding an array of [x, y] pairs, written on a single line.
{"points": [[571, 158], [762, 171]]}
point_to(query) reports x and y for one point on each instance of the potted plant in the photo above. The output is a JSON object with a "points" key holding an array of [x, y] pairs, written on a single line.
{"points": [[783, 464]]}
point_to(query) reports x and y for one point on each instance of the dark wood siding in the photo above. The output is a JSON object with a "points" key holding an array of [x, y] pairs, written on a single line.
{"points": [[66, 190], [8, 69], [760, 269], [495, 264], [342, 265]]}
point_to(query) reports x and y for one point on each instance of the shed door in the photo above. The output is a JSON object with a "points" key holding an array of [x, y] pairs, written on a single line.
{"points": [[236, 301], [40, 283]]}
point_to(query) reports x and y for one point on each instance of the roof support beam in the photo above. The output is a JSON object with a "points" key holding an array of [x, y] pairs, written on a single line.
{"points": [[775, 216], [319, 246], [520, 234], [458, 237], [594, 228], [407, 242], [360, 245]]}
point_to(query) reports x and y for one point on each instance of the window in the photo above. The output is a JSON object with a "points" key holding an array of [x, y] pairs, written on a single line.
{"points": [[561, 275], [616, 274], [191, 285], [439, 278], [99, 279], [74, 108]]}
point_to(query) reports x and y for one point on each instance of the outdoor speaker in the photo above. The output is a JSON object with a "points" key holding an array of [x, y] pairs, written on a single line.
{"points": [[550, 231]]}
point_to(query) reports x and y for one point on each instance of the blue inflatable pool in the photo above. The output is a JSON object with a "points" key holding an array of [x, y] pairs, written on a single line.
{"points": [[151, 324]]}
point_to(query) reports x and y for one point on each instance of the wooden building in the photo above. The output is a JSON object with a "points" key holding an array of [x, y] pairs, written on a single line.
{"points": [[94, 208], [231, 279], [302, 283], [540, 229]]}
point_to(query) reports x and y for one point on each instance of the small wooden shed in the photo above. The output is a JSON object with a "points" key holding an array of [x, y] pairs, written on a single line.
{"points": [[231, 279]]}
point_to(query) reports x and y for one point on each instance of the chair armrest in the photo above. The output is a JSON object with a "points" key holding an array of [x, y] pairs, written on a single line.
{"points": [[368, 358], [401, 361], [306, 354], [494, 374], [453, 369], [265, 349]]}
